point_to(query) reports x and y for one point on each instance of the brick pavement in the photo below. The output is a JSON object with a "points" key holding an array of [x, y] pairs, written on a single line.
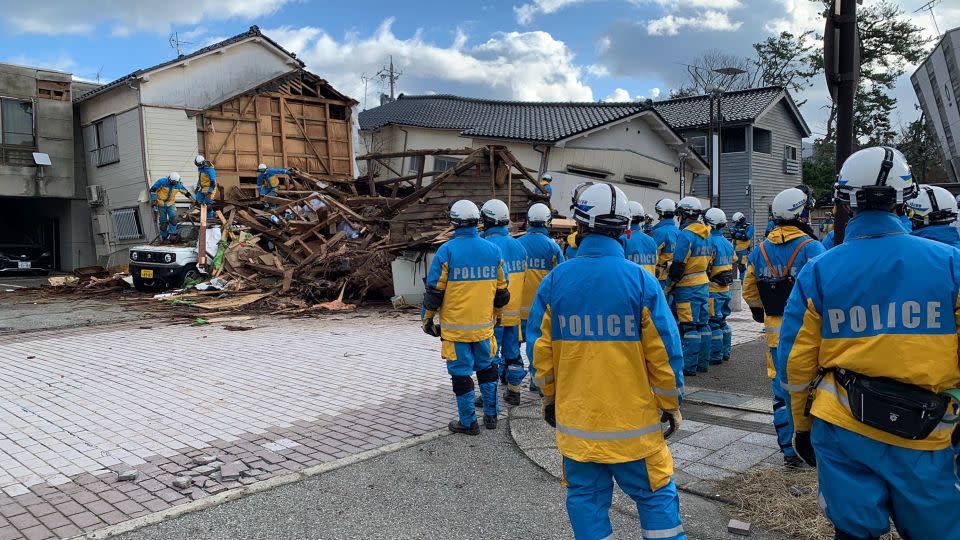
{"points": [[79, 406]]}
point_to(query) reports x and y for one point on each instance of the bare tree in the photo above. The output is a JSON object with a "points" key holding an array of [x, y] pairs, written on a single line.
{"points": [[704, 73]]}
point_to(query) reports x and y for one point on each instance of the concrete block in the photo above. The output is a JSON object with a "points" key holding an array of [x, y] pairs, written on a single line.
{"points": [[182, 482], [740, 528], [231, 471], [128, 475], [205, 459]]}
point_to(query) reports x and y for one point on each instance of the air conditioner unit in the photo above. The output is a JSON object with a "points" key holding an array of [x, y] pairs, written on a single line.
{"points": [[95, 195]]}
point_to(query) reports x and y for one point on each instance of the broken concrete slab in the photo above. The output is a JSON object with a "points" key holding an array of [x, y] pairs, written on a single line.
{"points": [[231, 471], [205, 459], [182, 482], [740, 528], [205, 470], [128, 475]]}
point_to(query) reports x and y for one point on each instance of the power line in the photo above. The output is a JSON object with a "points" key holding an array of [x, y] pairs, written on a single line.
{"points": [[390, 74], [929, 7]]}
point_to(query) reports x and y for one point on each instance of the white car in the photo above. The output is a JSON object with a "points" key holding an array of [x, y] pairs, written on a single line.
{"points": [[163, 267]]}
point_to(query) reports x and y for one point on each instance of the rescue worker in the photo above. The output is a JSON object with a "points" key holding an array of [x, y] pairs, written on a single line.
{"points": [[543, 255], [828, 240], [648, 224], [267, 182], [877, 345], [496, 220], [570, 250], [545, 181], [720, 273], [665, 233], [933, 212], [826, 226], [163, 195], [467, 285], [608, 362], [206, 191], [742, 233], [804, 221], [688, 282], [637, 246], [771, 270]]}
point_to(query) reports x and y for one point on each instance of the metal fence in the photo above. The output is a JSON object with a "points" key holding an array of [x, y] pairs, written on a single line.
{"points": [[126, 223]]}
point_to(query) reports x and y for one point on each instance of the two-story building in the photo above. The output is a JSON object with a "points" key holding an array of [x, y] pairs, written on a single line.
{"points": [[42, 189], [937, 84]]}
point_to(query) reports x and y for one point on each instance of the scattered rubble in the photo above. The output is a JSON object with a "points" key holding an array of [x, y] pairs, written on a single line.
{"points": [[128, 475]]}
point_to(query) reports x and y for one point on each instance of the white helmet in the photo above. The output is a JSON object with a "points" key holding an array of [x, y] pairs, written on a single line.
{"points": [[199, 160], [738, 217], [788, 205], [175, 176], [715, 217], [689, 207], [636, 212], [665, 208], [603, 209], [934, 205], [575, 193], [875, 179], [538, 215], [495, 213], [464, 213], [262, 167], [547, 177]]}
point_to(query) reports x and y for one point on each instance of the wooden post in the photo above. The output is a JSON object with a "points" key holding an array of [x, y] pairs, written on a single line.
{"points": [[423, 160], [202, 255], [283, 133]]}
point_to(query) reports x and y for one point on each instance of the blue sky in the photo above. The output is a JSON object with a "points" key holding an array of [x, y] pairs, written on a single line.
{"points": [[525, 49]]}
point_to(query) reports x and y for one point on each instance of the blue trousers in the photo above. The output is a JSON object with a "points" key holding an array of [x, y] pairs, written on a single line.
{"points": [[864, 483], [781, 414], [508, 354], [722, 335], [693, 318], [463, 360], [203, 197], [267, 191], [590, 494], [168, 220]]}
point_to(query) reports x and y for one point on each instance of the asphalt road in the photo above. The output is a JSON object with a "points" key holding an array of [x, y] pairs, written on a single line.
{"points": [[454, 487], [745, 373]]}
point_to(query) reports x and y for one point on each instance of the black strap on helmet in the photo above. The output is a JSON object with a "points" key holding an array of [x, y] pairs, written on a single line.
{"points": [[934, 207], [885, 166], [613, 199]]}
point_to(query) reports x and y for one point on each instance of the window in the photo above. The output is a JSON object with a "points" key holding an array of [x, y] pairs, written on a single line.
{"points": [[126, 224], [57, 90], [442, 163], [698, 144], [789, 152], [733, 139], [589, 172], [762, 140], [643, 181], [16, 117], [338, 112], [106, 151], [790, 163], [414, 163]]}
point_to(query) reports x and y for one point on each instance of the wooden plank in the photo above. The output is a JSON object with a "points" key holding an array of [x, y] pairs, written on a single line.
{"points": [[202, 248], [287, 280], [408, 153], [256, 113], [232, 303], [283, 132], [467, 162], [303, 131], [233, 130], [389, 168], [326, 127], [420, 172]]}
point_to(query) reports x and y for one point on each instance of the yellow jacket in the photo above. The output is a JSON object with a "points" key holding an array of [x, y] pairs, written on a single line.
{"points": [[543, 255], [691, 256], [605, 346]]}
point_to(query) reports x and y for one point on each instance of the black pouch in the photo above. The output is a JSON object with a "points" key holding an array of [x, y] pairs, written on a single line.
{"points": [[891, 406], [774, 293], [723, 278]]}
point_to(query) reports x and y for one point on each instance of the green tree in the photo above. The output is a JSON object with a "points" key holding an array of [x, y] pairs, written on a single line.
{"points": [[923, 154], [820, 172]]}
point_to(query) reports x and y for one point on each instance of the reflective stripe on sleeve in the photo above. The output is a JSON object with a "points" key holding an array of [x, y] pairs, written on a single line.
{"points": [[510, 313], [467, 326], [665, 392], [543, 381], [608, 435], [794, 387], [829, 387], [662, 533]]}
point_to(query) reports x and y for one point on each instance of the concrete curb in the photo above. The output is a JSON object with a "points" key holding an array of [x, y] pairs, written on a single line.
{"points": [[258, 487]]}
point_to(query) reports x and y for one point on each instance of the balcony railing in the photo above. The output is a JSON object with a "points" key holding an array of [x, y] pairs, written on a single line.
{"points": [[791, 166]]}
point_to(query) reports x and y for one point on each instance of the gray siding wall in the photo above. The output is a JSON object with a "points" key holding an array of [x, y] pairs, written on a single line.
{"points": [[734, 178], [768, 176]]}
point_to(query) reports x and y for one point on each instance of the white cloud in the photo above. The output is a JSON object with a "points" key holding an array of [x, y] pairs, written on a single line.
{"points": [[799, 16], [526, 12], [654, 93], [603, 44], [509, 65], [598, 70], [618, 95], [56, 17], [670, 25]]}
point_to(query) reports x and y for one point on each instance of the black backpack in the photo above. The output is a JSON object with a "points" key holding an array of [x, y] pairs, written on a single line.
{"points": [[775, 291]]}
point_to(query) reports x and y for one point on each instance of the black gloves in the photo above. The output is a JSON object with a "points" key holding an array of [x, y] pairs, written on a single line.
{"points": [[804, 448], [757, 314], [549, 410], [430, 328]]}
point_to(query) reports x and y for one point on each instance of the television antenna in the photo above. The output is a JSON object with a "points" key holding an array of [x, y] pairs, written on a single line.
{"points": [[929, 7], [177, 44], [391, 74]]}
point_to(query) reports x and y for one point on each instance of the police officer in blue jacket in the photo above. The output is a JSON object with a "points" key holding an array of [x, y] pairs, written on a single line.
{"points": [[933, 213], [687, 280], [871, 327], [639, 247], [720, 272], [665, 234]]}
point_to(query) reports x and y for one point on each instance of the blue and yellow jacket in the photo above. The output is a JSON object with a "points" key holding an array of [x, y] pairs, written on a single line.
{"points": [[515, 265], [742, 240], [267, 180], [691, 256], [164, 191], [780, 245], [721, 260], [770, 227], [665, 233], [546, 188], [945, 234], [828, 240], [853, 308], [570, 250], [825, 227], [604, 345], [543, 255], [467, 284], [641, 249], [207, 182], [906, 223]]}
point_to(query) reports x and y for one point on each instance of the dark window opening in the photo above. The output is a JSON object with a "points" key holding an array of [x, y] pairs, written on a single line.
{"points": [[698, 144], [643, 181], [733, 139], [762, 140], [338, 112], [16, 119], [588, 172]]}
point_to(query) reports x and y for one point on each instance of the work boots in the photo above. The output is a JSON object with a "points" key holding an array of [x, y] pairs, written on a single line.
{"points": [[793, 462], [511, 397], [456, 427], [490, 422]]}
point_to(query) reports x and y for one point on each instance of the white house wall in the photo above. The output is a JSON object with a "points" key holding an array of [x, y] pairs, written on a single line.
{"points": [[634, 135], [119, 99], [171, 144], [214, 77]]}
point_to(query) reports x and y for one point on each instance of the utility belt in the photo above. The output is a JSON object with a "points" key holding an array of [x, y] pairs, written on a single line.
{"points": [[894, 407], [775, 291], [723, 279]]}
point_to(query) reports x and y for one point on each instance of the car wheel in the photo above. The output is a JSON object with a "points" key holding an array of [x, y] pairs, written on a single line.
{"points": [[191, 274]]}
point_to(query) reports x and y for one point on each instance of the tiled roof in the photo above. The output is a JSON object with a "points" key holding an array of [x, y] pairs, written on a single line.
{"points": [[553, 121], [252, 32]]}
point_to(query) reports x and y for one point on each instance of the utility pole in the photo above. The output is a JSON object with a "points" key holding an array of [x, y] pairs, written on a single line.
{"points": [[929, 7], [846, 55], [390, 74]]}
